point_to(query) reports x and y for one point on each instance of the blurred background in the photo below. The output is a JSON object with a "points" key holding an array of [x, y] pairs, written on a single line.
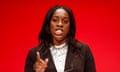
{"points": [[98, 25]]}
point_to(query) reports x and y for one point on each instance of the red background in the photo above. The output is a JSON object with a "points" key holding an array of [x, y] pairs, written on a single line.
{"points": [[97, 25]]}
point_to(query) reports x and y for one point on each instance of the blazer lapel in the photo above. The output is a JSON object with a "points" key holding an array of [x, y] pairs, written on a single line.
{"points": [[46, 54], [51, 65], [68, 63]]}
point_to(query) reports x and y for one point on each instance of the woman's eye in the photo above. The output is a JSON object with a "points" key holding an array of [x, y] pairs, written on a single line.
{"points": [[54, 20], [65, 21]]}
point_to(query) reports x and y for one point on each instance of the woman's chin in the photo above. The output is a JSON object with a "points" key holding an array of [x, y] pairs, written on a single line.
{"points": [[59, 38]]}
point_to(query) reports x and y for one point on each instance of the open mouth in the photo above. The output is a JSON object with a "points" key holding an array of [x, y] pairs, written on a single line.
{"points": [[58, 32]]}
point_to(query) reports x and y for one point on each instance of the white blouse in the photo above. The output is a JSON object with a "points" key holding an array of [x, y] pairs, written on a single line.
{"points": [[59, 53]]}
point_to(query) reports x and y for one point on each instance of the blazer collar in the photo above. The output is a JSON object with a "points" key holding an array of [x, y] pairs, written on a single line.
{"points": [[68, 62], [45, 53]]}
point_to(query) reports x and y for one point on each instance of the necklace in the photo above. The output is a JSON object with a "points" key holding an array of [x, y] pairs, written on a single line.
{"points": [[59, 46], [59, 50]]}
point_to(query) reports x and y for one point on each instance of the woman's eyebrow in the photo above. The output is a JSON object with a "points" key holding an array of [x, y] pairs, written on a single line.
{"points": [[58, 16], [55, 16], [66, 17]]}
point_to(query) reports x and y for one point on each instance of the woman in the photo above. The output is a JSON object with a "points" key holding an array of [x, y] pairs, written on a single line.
{"points": [[58, 50]]}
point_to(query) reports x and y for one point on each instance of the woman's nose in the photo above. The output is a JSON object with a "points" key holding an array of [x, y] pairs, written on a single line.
{"points": [[60, 24]]}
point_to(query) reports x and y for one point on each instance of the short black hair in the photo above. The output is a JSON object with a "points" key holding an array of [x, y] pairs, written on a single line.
{"points": [[45, 36]]}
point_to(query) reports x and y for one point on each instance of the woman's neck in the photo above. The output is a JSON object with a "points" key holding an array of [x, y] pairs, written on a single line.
{"points": [[55, 42]]}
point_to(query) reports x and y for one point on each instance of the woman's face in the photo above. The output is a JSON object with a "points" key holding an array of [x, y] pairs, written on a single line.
{"points": [[59, 26]]}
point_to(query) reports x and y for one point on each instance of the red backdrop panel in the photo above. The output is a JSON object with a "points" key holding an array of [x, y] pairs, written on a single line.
{"points": [[97, 25]]}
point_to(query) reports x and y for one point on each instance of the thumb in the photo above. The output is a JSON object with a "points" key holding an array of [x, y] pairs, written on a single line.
{"points": [[46, 60]]}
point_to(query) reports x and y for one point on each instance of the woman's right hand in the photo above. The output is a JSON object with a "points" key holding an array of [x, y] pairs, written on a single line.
{"points": [[40, 64]]}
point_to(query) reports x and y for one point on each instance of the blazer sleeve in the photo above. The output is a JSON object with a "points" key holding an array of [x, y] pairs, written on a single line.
{"points": [[29, 62], [89, 61]]}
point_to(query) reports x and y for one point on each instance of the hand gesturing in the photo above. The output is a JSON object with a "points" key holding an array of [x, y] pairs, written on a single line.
{"points": [[40, 64]]}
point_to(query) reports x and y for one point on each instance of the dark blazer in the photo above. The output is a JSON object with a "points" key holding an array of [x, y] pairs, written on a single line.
{"points": [[79, 59]]}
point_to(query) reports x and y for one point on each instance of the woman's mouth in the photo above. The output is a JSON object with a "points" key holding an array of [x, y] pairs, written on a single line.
{"points": [[59, 32]]}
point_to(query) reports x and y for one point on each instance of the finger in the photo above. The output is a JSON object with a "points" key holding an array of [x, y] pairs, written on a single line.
{"points": [[46, 60], [42, 61], [38, 56], [46, 63]]}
